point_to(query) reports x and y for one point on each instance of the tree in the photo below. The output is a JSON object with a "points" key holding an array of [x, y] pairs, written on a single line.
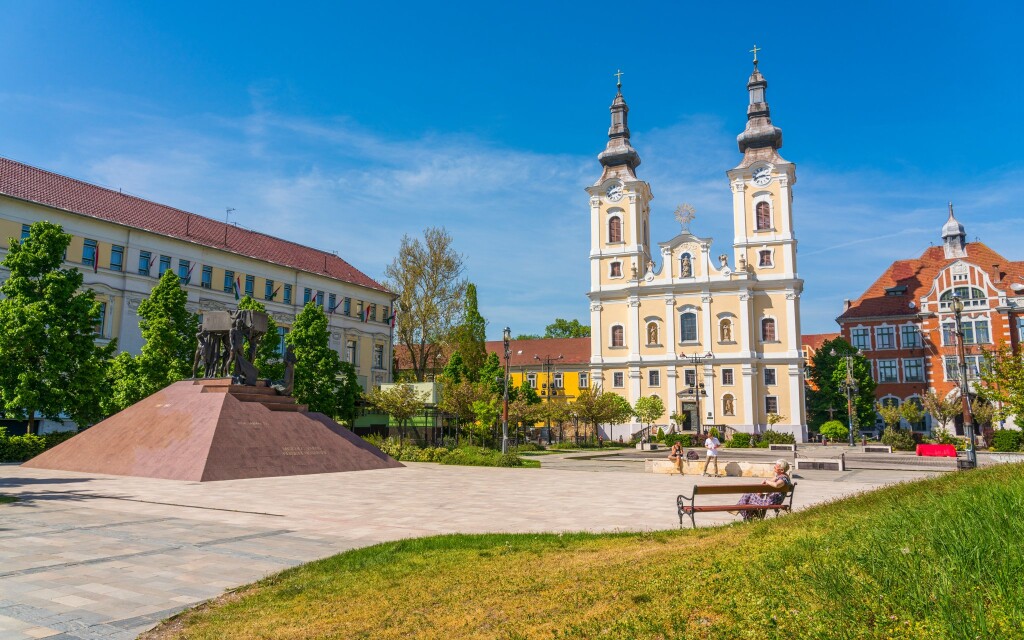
{"points": [[348, 393], [774, 419], [649, 409], [427, 278], [825, 392], [562, 328], [1002, 381], [470, 337], [457, 398], [269, 359], [492, 374], [317, 366], [557, 412], [49, 361], [486, 412], [522, 412], [943, 410], [912, 412], [891, 413], [529, 336], [400, 401], [455, 370]]}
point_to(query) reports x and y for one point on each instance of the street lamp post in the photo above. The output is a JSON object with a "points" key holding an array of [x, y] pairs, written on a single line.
{"points": [[506, 338], [549, 386], [850, 386], [965, 403]]}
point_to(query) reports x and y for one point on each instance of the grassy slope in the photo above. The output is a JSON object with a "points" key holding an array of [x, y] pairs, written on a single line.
{"points": [[933, 559]]}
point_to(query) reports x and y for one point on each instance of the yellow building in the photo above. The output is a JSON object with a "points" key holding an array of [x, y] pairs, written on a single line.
{"points": [[715, 334], [558, 368], [122, 244]]}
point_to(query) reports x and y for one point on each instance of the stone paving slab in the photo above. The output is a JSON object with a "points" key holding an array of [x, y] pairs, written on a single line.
{"points": [[89, 556]]}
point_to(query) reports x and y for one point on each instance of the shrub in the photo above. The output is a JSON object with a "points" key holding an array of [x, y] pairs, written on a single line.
{"points": [[509, 460], [834, 430], [684, 439], [1006, 440], [771, 436], [527, 446], [714, 432], [898, 439], [942, 435], [661, 435], [738, 440], [54, 438], [19, 448]]}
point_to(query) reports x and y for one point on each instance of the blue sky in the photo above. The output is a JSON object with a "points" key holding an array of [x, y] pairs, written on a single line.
{"points": [[344, 125]]}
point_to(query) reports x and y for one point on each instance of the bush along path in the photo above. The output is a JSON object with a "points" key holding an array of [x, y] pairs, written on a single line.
{"points": [[938, 558]]}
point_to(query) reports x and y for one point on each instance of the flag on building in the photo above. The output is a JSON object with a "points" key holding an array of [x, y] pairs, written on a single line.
{"points": [[96, 260], [366, 314], [391, 320], [238, 287], [188, 276]]}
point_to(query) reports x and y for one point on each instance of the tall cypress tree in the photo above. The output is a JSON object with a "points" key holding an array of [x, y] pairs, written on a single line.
{"points": [[49, 360], [470, 336]]}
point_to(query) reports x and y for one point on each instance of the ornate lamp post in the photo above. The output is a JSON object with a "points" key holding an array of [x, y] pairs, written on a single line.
{"points": [[958, 309], [849, 385], [506, 338], [549, 386]]}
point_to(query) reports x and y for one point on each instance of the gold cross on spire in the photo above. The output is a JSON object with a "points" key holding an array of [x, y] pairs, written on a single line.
{"points": [[618, 78], [754, 51]]}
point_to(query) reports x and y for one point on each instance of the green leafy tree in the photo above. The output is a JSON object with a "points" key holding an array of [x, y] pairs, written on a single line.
{"points": [[269, 359], [455, 370], [348, 393], [557, 413], [890, 412], [527, 393], [486, 412], [470, 337], [457, 398], [49, 360], [912, 412], [942, 410], [317, 366], [169, 331], [492, 374], [1002, 381], [649, 409], [427, 280], [529, 336], [401, 401], [824, 390], [562, 328]]}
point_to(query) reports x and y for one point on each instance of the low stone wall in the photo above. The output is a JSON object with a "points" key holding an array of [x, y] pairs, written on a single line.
{"points": [[731, 468]]}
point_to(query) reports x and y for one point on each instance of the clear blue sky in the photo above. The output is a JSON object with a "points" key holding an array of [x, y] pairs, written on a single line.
{"points": [[345, 125]]}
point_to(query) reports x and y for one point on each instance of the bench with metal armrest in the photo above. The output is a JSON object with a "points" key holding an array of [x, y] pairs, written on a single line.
{"points": [[688, 507]]}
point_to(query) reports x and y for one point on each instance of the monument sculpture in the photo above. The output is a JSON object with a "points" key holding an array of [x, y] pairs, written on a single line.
{"points": [[224, 425]]}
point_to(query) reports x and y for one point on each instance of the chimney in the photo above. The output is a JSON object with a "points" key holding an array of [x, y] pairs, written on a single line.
{"points": [[997, 277], [847, 304]]}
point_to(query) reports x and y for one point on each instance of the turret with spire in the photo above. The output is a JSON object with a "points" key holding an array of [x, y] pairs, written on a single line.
{"points": [[619, 158], [761, 140], [954, 237]]}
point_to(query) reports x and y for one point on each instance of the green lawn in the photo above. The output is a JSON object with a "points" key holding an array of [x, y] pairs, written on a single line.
{"points": [[7, 499], [934, 559]]}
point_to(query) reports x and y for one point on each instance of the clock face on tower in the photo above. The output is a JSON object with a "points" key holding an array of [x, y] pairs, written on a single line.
{"points": [[762, 176], [614, 191]]}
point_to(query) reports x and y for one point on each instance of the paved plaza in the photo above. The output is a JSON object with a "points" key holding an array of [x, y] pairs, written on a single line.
{"points": [[87, 556]]}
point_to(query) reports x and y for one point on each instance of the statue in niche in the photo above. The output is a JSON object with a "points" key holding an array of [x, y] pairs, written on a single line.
{"points": [[727, 406], [726, 331], [685, 267], [652, 333]]}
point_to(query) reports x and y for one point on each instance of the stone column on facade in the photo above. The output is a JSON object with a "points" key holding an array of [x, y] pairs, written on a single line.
{"points": [[707, 326], [750, 403], [596, 333], [796, 402], [793, 349], [672, 388], [633, 328], [739, 209], [746, 331], [709, 404]]}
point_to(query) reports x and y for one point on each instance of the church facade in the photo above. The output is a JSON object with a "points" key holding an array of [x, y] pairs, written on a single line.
{"points": [[714, 333]]}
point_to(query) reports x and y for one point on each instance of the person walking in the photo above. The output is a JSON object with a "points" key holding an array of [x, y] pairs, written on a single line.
{"points": [[712, 445]]}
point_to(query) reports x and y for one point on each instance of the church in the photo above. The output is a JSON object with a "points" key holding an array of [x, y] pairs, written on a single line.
{"points": [[714, 332]]}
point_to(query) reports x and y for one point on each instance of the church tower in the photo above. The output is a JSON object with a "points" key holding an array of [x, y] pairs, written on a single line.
{"points": [[619, 208]]}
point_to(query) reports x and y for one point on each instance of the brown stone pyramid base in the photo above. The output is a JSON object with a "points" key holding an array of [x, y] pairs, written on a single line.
{"points": [[204, 430]]}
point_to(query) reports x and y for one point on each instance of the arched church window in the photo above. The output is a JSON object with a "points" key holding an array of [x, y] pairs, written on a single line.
{"points": [[617, 336], [688, 327], [615, 229], [764, 216], [725, 330], [728, 405], [652, 333], [768, 330]]}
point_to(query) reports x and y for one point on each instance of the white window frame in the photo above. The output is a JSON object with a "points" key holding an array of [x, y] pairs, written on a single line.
{"points": [[611, 269], [531, 379], [767, 410], [583, 380], [879, 345], [893, 365], [732, 376], [696, 326], [654, 378], [911, 329], [854, 331], [920, 367], [618, 379], [770, 371], [775, 329], [771, 258], [611, 336]]}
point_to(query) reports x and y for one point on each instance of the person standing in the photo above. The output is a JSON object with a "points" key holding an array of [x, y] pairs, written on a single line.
{"points": [[712, 445]]}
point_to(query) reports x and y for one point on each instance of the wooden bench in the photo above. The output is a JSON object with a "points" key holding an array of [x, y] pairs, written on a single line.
{"points": [[687, 506]]}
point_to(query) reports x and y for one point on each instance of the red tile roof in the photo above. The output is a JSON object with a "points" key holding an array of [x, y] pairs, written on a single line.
{"points": [[28, 183], [815, 340], [574, 351], [917, 275]]}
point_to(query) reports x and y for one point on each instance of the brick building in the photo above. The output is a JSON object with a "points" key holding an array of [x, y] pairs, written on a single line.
{"points": [[904, 322]]}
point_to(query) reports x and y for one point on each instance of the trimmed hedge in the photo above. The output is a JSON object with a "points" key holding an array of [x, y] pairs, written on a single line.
{"points": [[26, 447], [1006, 440]]}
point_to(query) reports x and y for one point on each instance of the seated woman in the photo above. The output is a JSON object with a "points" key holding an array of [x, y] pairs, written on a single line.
{"points": [[675, 454], [782, 480]]}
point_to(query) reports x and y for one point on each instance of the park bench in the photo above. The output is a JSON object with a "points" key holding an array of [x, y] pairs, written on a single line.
{"points": [[688, 507]]}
